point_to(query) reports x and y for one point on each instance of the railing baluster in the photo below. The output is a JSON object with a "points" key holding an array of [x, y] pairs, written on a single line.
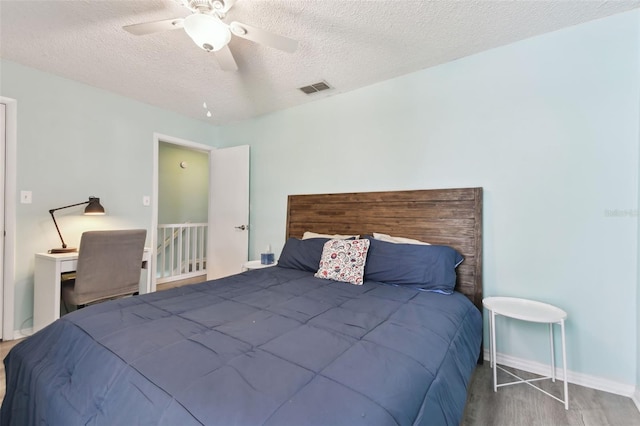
{"points": [[181, 251], [187, 248], [199, 248], [163, 252], [194, 253]]}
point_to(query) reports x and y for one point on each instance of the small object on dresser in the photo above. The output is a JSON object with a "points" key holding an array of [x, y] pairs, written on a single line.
{"points": [[267, 258]]}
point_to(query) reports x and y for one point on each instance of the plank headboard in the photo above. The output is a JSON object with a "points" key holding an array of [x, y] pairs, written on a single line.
{"points": [[451, 217]]}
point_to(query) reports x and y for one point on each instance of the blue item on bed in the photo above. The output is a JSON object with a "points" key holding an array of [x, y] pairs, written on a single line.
{"points": [[272, 346]]}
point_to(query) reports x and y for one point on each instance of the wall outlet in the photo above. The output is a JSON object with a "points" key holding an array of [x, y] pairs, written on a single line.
{"points": [[25, 197], [146, 200]]}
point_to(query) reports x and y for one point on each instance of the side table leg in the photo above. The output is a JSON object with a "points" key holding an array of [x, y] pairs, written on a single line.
{"points": [[490, 343], [493, 351], [553, 357], [564, 366]]}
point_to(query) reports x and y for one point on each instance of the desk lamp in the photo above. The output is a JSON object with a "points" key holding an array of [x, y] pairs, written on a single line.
{"points": [[94, 208]]}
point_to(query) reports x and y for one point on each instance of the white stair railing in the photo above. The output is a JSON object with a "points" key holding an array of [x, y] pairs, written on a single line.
{"points": [[181, 251]]}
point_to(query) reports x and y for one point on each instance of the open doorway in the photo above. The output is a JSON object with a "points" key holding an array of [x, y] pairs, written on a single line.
{"points": [[182, 230], [227, 237], [180, 252]]}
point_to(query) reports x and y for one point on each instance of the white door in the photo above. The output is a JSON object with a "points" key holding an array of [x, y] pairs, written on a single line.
{"points": [[228, 242], [3, 133]]}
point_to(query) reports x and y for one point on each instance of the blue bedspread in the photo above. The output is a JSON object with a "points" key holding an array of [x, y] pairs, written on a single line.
{"points": [[272, 346]]}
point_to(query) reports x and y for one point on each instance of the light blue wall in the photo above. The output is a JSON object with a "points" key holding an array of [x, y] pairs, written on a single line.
{"points": [[75, 141], [548, 126]]}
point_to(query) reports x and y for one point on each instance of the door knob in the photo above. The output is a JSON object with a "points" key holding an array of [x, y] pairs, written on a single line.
{"points": [[241, 227]]}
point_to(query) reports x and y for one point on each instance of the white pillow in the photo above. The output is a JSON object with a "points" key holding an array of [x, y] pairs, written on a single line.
{"points": [[310, 234], [398, 240]]}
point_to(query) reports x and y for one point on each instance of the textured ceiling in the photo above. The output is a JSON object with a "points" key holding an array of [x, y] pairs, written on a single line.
{"points": [[348, 43]]}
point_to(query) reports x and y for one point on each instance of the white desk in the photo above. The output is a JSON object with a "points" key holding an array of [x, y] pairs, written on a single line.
{"points": [[533, 311], [47, 286]]}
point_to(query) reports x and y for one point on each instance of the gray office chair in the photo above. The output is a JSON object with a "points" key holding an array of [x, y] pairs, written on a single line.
{"points": [[109, 264]]}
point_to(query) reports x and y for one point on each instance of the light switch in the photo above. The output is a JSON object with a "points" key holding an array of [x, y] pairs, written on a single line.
{"points": [[25, 197], [146, 200]]}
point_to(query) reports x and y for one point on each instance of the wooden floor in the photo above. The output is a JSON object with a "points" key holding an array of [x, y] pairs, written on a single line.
{"points": [[5, 347], [180, 283], [521, 405]]}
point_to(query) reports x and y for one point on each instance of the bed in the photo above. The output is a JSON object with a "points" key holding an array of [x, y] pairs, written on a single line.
{"points": [[278, 345]]}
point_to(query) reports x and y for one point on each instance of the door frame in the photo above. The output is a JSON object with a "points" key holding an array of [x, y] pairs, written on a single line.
{"points": [[157, 139], [10, 170]]}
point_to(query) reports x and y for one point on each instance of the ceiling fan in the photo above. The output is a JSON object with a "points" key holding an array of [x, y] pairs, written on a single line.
{"points": [[207, 29]]}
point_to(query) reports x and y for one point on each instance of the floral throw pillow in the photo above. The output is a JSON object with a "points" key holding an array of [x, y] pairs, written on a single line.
{"points": [[343, 260]]}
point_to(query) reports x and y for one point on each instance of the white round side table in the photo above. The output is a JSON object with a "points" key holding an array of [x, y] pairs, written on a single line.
{"points": [[532, 311], [255, 264]]}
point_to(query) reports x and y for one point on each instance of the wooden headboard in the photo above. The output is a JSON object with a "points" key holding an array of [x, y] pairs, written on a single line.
{"points": [[451, 217]]}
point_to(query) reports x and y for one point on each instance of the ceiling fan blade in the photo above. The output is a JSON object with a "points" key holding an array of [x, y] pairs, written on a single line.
{"points": [[263, 37], [154, 27], [226, 60]]}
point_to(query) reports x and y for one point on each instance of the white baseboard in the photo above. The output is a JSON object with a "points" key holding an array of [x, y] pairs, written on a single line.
{"points": [[581, 379], [19, 334]]}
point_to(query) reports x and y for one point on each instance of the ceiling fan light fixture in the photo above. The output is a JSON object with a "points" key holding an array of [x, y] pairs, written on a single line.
{"points": [[208, 32]]}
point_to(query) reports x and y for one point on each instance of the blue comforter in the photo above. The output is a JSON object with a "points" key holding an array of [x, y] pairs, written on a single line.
{"points": [[272, 346]]}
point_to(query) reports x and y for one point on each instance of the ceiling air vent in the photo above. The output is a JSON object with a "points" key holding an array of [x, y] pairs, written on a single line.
{"points": [[316, 87]]}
